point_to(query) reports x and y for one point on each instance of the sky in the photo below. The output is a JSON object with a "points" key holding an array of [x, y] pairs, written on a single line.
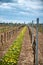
{"points": [[19, 11]]}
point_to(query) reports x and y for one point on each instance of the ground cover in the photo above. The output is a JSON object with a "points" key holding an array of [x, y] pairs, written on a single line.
{"points": [[11, 57]]}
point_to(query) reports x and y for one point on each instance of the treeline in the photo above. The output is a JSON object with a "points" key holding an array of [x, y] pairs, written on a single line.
{"points": [[11, 24]]}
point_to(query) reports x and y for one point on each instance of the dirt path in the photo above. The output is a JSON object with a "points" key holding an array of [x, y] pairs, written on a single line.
{"points": [[26, 55], [40, 50]]}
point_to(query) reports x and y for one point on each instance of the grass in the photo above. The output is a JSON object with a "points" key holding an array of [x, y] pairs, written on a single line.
{"points": [[12, 55]]}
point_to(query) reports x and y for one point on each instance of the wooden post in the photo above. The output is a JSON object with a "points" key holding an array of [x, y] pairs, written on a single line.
{"points": [[5, 37], [42, 27], [2, 39], [34, 48], [36, 62], [32, 32]]}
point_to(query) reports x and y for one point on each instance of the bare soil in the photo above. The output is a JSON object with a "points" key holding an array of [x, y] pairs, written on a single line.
{"points": [[26, 55]]}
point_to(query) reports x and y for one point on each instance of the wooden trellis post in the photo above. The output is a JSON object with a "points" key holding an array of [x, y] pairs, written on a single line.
{"points": [[34, 48], [2, 39], [4, 36], [42, 27], [7, 36], [32, 32], [36, 61]]}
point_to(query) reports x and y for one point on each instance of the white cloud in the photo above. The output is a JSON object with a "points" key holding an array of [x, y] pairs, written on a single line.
{"points": [[23, 4], [5, 5], [2, 19], [24, 12], [21, 1], [23, 8], [30, 4]]}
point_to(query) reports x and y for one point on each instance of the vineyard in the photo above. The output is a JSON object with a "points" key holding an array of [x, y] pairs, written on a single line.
{"points": [[16, 44]]}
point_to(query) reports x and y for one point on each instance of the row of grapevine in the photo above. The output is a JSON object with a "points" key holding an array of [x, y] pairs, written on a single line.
{"points": [[11, 57]]}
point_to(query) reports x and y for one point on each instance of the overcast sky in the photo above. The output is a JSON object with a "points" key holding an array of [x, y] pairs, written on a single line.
{"points": [[21, 10]]}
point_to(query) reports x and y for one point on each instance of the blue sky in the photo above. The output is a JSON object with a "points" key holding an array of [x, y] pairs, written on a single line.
{"points": [[21, 10]]}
